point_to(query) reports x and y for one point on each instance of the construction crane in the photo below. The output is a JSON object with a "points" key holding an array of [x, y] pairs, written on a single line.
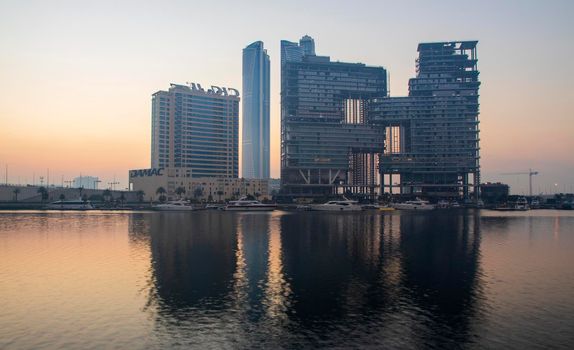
{"points": [[530, 173]]}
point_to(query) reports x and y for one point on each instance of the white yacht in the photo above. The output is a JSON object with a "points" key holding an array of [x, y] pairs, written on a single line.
{"points": [[521, 204], [442, 204], [244, 204], [344, 205], [417, 204], [77, 204], [179, 205]]}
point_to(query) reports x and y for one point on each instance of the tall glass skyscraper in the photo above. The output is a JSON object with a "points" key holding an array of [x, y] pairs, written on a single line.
{"points": [[256, 72]]}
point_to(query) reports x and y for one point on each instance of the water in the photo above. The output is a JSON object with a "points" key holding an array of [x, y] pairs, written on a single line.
{"points": [[467, 279]]}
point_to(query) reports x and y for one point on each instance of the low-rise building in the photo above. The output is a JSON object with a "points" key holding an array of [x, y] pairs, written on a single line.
{"points": [[90, 182], [177, 183], [494, 193]]}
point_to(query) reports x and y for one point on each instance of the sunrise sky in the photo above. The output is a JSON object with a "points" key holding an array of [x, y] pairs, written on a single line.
{"points": [[76, 77]]}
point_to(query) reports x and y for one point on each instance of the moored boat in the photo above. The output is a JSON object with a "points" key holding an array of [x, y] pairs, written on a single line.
{"points": [[386, 208], [343, 205], [417, 204], [244, 204], [180, 205], [78, 204], [521, 204]]}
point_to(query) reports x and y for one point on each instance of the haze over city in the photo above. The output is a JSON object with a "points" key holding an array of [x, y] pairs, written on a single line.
{"points": [[76, 79]]}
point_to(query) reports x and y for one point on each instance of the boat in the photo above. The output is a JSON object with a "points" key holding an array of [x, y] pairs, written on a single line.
{"points": [[342, 205], [443, 204], [244, 204], [417, 204], [370, 206], [521, 204], [214, 207], [303, 207], [179, 205], [78, 204], [455, 205], [386, 208]]}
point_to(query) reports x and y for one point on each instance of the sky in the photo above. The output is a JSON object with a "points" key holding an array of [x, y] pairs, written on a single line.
{"points": [[76, 77]]}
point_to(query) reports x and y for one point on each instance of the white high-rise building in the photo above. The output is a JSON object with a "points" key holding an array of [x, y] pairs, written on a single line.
{"points": [[196, 128]]}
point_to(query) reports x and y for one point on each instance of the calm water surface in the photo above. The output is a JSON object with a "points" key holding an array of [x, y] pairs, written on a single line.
{"points": [[451, 279]]}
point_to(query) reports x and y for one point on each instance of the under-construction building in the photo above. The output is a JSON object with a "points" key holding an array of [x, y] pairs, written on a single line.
{"points": [[340, 131], [328, 142], [432, 136]]}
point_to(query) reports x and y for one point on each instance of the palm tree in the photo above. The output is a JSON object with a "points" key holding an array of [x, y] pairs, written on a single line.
{"points": [[141, 195], [16, 191], [197, 192], [43, 193], [107, 195], [179, 191], [220, 193], [122, 199], [62, 196], [161, 191]]}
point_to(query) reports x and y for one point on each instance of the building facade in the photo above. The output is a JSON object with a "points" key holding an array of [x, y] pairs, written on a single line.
{"points": [[90, 182], [179, 183], [328, 141], [494, 193], [432, 135], [196, 129], [255, 114], [339, 129]]}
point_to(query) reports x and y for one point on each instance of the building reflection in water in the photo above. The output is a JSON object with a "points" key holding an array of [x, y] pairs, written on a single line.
{"points": [[440, 259], [260, 288], [293, 279]]}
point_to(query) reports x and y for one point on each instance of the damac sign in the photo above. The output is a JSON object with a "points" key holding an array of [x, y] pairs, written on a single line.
{"points": [[216, 90], [146, 172]]}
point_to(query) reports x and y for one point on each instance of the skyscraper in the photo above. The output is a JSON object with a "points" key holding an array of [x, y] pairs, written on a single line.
{"points": [[328, 143], [196, 129], [432, 135], [340, 131], [255, 135]]}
